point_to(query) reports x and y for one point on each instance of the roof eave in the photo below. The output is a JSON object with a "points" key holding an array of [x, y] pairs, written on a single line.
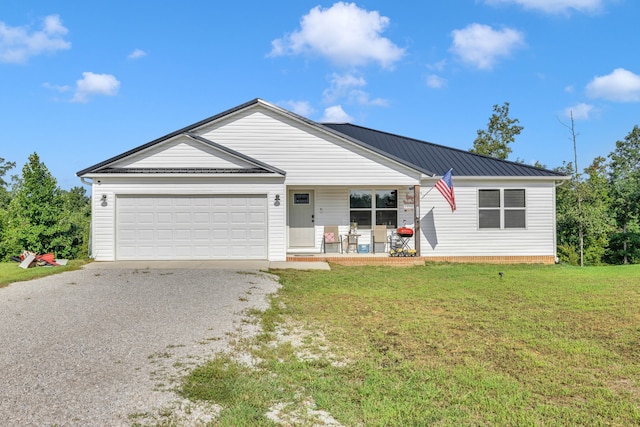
{"points": [[181, 175], [178, 132]]}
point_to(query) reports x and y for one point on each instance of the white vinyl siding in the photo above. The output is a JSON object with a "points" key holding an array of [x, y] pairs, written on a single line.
{"points": [[502, 208], [445, 233], [307, 155], [332, 208], [182, 152], [104, 219]]}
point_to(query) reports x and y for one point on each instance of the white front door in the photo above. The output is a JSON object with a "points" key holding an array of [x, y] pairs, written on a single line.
{"points": [[301, 219]]}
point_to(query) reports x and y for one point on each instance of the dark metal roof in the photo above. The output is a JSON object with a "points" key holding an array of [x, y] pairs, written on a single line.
{"points": [[426, 157], [438, 159]]}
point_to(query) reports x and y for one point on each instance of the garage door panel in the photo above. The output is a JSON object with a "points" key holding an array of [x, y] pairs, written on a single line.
{"points": [[164, 218], [191, 227], [201, 217]]}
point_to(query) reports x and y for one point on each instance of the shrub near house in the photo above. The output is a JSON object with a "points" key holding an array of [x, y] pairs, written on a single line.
{"points": [[40, 217]]}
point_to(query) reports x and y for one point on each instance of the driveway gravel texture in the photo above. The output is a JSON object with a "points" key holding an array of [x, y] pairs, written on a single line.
{"points": [[106, 347]]}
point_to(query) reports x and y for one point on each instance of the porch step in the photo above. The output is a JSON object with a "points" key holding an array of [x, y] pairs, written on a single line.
{"points": [[359, 260]]}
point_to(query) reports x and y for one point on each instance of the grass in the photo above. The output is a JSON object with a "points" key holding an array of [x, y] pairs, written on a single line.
{"points": [[443, 344], [10, 272]]}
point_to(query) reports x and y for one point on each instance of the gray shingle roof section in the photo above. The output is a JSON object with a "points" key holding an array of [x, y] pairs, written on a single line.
{"points": [[437, 158]]}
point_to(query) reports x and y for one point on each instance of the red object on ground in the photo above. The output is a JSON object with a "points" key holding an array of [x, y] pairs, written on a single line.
{"points": [[48, 258]]}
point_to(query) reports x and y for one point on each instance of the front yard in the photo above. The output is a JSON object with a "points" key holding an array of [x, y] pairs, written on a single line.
{"points": [[443, 344], [10, 272]]}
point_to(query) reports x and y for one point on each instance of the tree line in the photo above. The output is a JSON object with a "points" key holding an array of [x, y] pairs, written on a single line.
{"points": [[38, 216], [598, 208]]}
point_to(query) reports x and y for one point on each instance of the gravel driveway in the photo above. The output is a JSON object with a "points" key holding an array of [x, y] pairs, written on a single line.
{"points": [[100, 347]]}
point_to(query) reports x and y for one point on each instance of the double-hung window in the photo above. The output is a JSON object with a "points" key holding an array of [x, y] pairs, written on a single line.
{"points": [[379, 207], [502, 208]]}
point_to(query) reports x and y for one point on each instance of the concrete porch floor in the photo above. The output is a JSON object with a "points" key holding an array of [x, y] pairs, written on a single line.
{"points": [[354, 258]]}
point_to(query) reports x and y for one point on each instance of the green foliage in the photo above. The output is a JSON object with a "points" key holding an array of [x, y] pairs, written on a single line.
{"points": [[42, 218], [584, 205], [624, 246], [567, 254], [625, 183], [501, 131], [5, 166]]}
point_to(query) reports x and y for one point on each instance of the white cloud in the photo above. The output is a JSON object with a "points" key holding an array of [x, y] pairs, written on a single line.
{"points": [[555, 6], [341, 85], [57, 88], [580, 111], [95, 84], [438, 66], [302, 108], [348, 86], [137, 53], [436, 82], [344, 34], [18, 44], [361, 97], [481, 46], [336, 114], [621, 85]]}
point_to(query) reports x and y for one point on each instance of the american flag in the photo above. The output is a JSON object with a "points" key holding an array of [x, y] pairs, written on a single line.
{"points": [[445, 186]]}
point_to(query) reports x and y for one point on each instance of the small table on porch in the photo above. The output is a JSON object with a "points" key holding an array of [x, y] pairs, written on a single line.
{"points": [[352, 240]]}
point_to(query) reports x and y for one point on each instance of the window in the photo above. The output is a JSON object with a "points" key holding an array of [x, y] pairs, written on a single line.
{"points": [[502, 208], [514, 209], [301, 199], [364, 212]]}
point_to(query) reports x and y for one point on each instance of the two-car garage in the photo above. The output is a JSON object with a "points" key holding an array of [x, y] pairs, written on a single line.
{"points": [[171, 227]]}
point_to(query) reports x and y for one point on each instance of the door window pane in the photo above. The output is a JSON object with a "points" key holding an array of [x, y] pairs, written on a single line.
{"points": [[301, 198]]}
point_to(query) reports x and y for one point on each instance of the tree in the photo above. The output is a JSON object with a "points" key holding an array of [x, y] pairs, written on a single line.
{"points": [[4, 193], [76, 222], [583, 215], [4, 168], [625, 181], [32, 217], [501, 131]]}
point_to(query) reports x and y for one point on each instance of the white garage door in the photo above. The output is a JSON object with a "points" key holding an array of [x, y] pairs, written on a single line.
{"points": [[191, 227]]}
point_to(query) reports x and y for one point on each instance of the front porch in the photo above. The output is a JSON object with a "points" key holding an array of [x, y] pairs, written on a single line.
{"points": [[353, 258], [400, 261]]}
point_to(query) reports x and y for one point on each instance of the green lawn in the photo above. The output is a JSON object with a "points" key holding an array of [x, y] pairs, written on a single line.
{"points": [[443, 344], [10, 272]]}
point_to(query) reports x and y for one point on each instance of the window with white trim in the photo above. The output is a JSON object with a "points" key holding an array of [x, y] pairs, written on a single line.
{"points": [[502, 209], [365, 212]]}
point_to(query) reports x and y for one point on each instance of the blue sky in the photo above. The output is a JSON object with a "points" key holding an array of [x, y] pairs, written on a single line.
{"points": [[84, 81]]}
